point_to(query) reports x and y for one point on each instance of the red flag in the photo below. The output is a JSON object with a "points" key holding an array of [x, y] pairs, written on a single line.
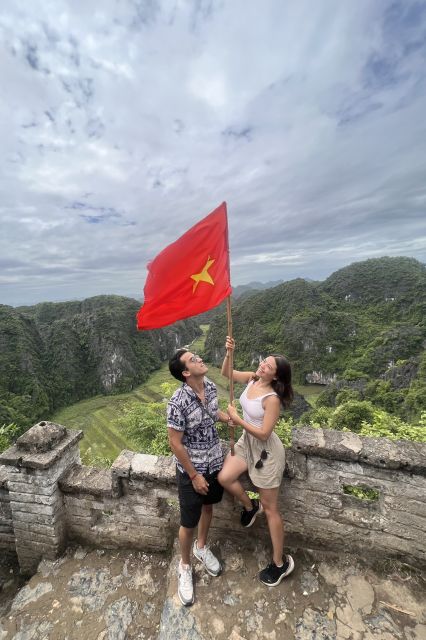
{"points": [[189, 276]]}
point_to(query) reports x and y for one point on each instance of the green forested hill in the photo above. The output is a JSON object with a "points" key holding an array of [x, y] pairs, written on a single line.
{"points": [[53, 354], [378, 281], [362, 321]]}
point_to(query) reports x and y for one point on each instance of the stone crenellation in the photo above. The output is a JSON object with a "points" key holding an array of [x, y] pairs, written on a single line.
{"points": [[339, 491]]}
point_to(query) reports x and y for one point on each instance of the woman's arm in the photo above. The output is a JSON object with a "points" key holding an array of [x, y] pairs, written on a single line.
{"points": [[222, 416], [270, 419], [239, 376]]}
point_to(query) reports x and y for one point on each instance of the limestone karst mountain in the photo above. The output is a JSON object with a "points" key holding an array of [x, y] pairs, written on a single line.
{"points": [[360, 322], [54, 354]]}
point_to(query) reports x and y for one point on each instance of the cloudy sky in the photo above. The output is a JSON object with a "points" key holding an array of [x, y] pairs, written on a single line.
{"points": [[123, 122]]}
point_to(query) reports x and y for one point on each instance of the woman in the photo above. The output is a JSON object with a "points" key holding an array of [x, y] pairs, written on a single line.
{"points": [[260, 452]]}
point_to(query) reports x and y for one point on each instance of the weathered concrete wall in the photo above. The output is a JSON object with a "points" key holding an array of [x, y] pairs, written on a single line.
{"points": [[53, 499], [318, 511]]}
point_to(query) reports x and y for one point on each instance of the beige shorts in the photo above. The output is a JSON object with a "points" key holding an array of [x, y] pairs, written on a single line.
{"points": [[271, 474]]}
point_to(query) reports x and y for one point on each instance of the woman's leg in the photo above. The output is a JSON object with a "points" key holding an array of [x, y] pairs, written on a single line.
{"points": [[269, 500], [233, 467]]}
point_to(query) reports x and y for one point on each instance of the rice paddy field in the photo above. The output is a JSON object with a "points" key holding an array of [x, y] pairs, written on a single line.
{"points": [[97, 417]]}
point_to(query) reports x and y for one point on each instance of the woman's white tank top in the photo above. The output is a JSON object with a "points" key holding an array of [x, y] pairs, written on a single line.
{"points": [[253, 410]]}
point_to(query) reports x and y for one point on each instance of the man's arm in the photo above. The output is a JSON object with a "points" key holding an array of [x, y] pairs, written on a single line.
{"points": [[199, 482]]}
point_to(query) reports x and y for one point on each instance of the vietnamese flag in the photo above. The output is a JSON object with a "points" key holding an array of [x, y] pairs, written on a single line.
{"points": [[189, 276]]}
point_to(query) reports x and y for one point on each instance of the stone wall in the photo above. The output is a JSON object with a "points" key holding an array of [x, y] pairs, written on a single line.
{"points": [[50, 499], [325, 464], [132, 505], [33, 467], [7, 535]]}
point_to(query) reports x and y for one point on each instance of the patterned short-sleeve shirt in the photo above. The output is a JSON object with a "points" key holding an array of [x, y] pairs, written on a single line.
{"points": [[200, 437]]}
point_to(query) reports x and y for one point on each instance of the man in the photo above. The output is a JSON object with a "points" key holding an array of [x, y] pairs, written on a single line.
{"points": [[191, 415]]}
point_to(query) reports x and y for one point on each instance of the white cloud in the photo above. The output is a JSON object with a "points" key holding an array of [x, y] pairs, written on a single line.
{"points": [[122, 126]]}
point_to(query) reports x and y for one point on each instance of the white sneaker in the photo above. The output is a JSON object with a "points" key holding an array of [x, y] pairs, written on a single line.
{"points": [[185, 586], [210, 561]]}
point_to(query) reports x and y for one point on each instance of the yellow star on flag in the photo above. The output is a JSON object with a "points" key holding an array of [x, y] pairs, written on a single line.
{"points": [[204, 275]]}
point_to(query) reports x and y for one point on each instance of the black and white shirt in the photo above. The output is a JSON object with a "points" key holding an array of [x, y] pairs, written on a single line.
{"points": [[200, 438]]}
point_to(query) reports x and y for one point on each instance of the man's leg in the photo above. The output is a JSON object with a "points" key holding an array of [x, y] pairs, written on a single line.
{"points": [[201, 550], [186, 535], [185, 542], [190, 503], [204, 524], [190, 511], [185, 581]]}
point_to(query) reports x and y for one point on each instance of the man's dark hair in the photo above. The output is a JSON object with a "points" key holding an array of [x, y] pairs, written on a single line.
{"points": [[176, 366]]}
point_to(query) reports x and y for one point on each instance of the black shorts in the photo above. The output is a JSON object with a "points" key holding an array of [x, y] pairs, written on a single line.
{"points": [[191, 502]]}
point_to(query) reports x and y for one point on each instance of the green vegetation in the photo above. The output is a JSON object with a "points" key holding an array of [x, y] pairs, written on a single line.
{"points": [[363, 418], [311, 392], [97, 417], [8, 434], [197, 345], [361, 492], [145, 423], [101, 418]]}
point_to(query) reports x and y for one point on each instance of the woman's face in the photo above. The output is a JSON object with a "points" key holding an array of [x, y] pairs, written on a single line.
{"points": [[267, 369]]}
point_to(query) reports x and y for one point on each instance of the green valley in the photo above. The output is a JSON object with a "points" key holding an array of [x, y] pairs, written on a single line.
{"points": [[356, 343]]}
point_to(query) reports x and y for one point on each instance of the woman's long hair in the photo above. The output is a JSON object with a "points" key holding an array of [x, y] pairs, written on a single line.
{"points": [[282, 384]]}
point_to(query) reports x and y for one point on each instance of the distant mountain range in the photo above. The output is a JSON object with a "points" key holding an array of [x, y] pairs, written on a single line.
{"points": [[240, 289]]}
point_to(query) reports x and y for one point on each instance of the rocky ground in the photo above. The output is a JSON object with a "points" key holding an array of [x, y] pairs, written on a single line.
{"points": [[118, 595], [90, 595]]}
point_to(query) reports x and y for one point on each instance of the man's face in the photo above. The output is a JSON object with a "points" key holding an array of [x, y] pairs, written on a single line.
{"points": [[194, 365]]}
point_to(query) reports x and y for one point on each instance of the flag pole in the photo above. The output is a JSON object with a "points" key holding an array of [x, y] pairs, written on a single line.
{"points": [[231, 373]]}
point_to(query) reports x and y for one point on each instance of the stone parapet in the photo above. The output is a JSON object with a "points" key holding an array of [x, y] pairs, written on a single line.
{"points": [[339, 491], [81, 479], [33, 466], [354, 493], [134, 504], [377, 452], [25, 453]]}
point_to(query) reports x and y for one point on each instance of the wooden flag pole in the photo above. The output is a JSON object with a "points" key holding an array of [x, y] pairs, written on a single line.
{"points": [[231, 373]]}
